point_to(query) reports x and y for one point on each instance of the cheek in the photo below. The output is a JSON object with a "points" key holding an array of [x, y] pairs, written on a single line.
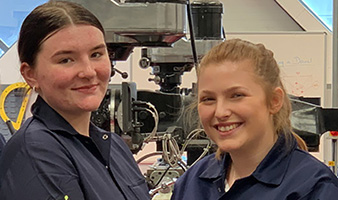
{"points": [[104, 71], [205, 114], [57, 79]]}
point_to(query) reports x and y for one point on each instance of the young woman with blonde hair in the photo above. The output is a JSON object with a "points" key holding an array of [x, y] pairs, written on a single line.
{"points": [[244, 109]]}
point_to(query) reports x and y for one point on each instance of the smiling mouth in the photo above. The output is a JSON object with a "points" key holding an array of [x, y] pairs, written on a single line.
{"points": [[87, 87], [227, 128]]}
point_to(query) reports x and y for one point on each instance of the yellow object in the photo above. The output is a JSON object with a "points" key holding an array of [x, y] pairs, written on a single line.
{"points": [[162, 196], [331, 163], [66, 197], [4, 94]]}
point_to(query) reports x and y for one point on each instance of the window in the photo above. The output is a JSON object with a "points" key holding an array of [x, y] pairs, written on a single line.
{"points": [[322, 9], [12, 14]]}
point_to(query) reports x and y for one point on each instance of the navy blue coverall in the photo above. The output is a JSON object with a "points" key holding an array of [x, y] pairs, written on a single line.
{"points": [[48, 159], [282, 175]]}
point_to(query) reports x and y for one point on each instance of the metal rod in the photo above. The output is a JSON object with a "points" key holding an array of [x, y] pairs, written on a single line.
{"points": [[334, 55], [192, 35], [334, 156], [10, 127]]}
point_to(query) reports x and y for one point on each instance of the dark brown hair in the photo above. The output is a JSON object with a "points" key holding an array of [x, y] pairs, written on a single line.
{"points": [[45, 20]]}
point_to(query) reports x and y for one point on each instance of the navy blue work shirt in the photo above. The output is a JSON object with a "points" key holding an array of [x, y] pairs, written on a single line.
{"points": [[2, 142], [282, 175], [48, 159]]}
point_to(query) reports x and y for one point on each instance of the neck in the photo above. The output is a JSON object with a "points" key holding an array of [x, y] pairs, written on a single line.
{"points": [[80, 122], [245, 161]]}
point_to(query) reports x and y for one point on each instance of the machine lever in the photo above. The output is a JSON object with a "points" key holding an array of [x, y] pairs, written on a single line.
{"points": [[124, 75]]}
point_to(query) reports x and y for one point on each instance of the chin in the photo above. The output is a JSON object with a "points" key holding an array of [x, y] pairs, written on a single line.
{"points": [[89, 108], [228, 147]]}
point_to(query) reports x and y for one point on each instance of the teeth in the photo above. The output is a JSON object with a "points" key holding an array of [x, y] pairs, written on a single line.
{"points": [[227, 128]]}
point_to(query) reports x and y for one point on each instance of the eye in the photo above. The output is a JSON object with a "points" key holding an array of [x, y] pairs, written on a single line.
{"points": [[96, 55], [206, 99], [65, 61], [237, 95]]}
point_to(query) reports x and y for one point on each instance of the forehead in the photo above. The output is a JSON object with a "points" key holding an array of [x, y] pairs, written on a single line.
{"points": [[229, 74], [234, 67], [78, 34]]}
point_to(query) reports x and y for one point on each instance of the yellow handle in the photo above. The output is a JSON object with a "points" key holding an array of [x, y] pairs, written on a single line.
{"points": [[4, 94]]}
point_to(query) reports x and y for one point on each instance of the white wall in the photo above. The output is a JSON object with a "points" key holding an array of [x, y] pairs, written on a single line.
{"points": [[256, 15], [10, 67], [239, 16]]}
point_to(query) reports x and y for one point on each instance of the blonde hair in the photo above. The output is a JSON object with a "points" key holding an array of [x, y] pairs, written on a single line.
{"points": [[266, 68]]}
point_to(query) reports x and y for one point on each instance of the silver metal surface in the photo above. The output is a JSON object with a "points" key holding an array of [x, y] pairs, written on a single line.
{"points": [[140, 24], [181, 51], [335, 55]]}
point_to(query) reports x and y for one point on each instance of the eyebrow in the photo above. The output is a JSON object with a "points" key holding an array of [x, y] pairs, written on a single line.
{"points": [[62, 52], [100, 46], [224, 91]]}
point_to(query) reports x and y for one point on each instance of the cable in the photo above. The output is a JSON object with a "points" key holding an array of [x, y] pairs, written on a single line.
{"points": [[148, 156], [156, 119], [183, 165], [154, 131], [154, 114], [190, 136], [206, 150], [171, 151], [164, 173]]}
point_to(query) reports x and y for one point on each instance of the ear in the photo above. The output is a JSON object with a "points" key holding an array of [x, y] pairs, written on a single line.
{"points": [[28, 73], [277, 100]]}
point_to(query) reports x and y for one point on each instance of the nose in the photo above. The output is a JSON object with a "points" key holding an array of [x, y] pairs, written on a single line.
{"points": [[87, 69], [223, 111]]}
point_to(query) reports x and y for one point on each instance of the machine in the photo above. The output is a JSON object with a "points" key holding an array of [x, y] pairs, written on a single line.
{"points": [[174, 35]]}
